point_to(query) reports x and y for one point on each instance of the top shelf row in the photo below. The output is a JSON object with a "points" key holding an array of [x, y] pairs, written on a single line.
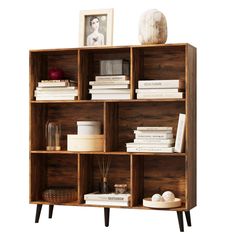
{"points": [[82, 65]]}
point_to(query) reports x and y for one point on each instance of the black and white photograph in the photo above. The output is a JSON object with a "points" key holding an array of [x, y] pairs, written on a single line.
{"points": [[96, 27]]}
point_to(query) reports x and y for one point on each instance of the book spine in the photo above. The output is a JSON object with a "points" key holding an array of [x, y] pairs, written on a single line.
{"points": [[160, 95], [106, 203], [111, 78], [141, 149], [112, 91], [160, 83], [157, 141], [114, 86], [111, 96], [153, 132], [155, 136], [148, 145], [154, 128], [162, 90], [106, 198], [180, 134], [108, 82]]}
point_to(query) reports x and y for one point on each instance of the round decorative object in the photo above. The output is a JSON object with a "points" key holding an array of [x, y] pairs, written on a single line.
{"points": [[147, 202], [56, 74], [60, 195], [157, 198], [168, 196], [152, 27]]}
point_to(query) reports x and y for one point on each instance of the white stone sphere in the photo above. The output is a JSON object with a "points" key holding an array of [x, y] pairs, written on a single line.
{"points": [[168, 196], [157, 198], [152, 27]]}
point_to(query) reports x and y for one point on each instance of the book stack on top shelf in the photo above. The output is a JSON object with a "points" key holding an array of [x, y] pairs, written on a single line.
{"points": [[107, 199], [152, 139], [157, 89], [110, 87], [56, 90]]}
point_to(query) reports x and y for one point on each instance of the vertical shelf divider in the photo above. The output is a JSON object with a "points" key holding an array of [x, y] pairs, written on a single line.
{"points": [[79, 75], [137, 175], [111, 131]]}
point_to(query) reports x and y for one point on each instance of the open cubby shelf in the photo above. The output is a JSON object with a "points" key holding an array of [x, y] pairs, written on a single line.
{"points": [[144, 173]]}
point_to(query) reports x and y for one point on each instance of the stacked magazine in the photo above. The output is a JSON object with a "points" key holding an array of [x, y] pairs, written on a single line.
{"points": [[110, 87], [152, 139], [56, 90], [109, 199]]}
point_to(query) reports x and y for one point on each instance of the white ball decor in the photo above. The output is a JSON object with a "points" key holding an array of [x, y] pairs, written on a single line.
{"points": [[168, 196], [157, 198], [152, 27]]}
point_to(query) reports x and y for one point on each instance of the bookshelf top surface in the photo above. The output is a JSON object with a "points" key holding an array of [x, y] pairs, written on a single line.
{"points": [[109, 47]]}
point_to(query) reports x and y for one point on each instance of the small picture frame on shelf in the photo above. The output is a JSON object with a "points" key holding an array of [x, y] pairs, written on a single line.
{"points": [[96, 27]]}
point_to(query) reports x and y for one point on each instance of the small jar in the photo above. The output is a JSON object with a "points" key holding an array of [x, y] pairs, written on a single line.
{"points": [[120, 188], [53, 135]]}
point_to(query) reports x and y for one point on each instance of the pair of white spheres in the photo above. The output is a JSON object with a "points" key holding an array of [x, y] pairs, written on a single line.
{"points": [[167, 196]]}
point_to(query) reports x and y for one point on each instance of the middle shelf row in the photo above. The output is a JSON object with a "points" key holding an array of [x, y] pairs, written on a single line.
{"points": [[119, 122]]}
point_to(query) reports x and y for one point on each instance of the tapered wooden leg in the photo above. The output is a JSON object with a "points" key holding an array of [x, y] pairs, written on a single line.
{"points": [[188, 218], [38, 211], [50, 211], [180, 220], [106, 216]]}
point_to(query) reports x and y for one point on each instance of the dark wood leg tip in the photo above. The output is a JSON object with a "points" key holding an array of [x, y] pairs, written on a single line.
{"points": [[180, 220], [188, 218], [50, 211], [38, 212], [106, 216]]}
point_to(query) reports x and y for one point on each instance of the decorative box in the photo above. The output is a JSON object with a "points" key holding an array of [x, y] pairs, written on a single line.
{"points": [[85, 142], [114, 67], [88, 127]]}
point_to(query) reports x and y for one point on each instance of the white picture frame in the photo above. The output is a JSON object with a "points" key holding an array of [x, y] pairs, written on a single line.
{"points": [[96, 27]]}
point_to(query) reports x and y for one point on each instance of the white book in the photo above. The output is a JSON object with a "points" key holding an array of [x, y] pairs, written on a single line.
{"points": [[161, 83], [68, 88], [108, 82], [62, 83], [107, 197], [151, 141], [156, 128], [148, 145], [153, 132], [53, 98], [143, 149], [162, 90], [110, 96], [56, 93], [159, 95], [112, 86], [107, 203], [154, 136], [111, 77], [179, 142], [109, 91]]}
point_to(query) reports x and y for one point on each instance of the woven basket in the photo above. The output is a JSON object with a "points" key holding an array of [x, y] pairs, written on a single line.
{"points": [[60, 195]]}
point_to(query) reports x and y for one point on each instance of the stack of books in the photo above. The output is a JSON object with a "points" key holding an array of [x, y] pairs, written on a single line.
{"points": [[157, 89], [56, 90], [109, 199], [110, 87], [152, 139]]}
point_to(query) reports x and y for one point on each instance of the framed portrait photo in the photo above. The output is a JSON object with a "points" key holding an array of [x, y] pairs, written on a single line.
{"points": [[96, 27]]}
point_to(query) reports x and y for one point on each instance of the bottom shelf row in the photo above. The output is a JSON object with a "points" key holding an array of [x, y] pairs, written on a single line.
{"points": [[108, 180]]}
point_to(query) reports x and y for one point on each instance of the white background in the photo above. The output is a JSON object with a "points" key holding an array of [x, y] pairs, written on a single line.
{"points": [[208, 25]]}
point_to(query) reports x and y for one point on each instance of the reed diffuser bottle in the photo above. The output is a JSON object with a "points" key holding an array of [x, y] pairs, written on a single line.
{"points": [[104, 166]]}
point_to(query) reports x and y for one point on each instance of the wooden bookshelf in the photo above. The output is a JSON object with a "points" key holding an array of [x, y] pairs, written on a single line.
{"points": [[144, 173]]}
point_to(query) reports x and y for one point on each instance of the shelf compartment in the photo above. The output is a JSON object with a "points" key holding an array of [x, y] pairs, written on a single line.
{"points": [[51, 171], [66, 115], [89, 65], [152, 175], [42, 61], [124, 118], [90, 177]]}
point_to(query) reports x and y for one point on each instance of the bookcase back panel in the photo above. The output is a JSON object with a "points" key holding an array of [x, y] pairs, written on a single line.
{"points": [[62, 171], [164, 173], [132, 116], [69, 115], [163, 63], [119, 171]]}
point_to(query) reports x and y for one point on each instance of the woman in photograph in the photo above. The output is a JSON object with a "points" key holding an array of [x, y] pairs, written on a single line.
{"points": [[95, 38]]}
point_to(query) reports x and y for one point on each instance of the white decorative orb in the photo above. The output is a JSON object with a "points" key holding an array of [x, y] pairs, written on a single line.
{"points": [[168, 196], [152, 27], [157, 198]]}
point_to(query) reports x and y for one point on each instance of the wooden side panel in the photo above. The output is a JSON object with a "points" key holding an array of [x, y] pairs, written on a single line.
{"points": [[137, 180], [164, 173], [111, 126], [191, 126]]}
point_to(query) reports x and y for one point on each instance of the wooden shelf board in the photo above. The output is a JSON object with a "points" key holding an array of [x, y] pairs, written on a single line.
{"points": [[111, 153], [76, 203], [111, 100]]}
